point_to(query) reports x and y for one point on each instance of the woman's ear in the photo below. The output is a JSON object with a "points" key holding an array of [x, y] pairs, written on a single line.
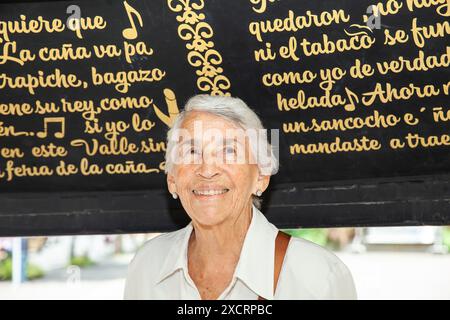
{"points": [[171, 183], [263, 182]]}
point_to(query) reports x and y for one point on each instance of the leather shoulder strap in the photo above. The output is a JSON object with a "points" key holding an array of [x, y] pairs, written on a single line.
{"points": [[281, 245]]}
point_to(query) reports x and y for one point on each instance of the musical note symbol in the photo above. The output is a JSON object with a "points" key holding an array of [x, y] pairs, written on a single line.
{"points": [[131, 33], [60, 133]]}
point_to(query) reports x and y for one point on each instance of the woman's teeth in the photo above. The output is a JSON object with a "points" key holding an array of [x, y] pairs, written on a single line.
{"points": [[209, 192]]}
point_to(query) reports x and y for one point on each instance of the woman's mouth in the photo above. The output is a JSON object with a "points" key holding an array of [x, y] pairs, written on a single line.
{"points": [[210, 193]]}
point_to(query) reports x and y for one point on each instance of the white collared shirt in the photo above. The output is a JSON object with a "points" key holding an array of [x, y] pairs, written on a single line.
{"points": [[159, 270]]}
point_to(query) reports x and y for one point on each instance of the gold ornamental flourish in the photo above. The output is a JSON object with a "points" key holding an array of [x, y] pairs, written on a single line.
{"points": [[197, 33]]}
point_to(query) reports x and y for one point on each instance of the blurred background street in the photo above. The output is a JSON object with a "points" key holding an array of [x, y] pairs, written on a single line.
{"points": [[386, 263]]}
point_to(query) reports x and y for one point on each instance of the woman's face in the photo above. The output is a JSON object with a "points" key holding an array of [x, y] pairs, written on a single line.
{"points": [[215, 175]]}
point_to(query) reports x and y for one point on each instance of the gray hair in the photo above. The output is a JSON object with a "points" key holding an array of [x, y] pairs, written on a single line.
{"points": [[236, 111]]}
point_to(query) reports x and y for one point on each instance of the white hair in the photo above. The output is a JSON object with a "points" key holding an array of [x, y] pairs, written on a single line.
{"points": [[236, 111]]}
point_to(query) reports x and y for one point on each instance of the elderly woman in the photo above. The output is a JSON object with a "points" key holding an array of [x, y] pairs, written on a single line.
{"points": [[218, 166]]}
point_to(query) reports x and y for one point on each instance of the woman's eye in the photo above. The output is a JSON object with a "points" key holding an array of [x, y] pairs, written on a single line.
{"points": [[230, 150], [190, 151], [194, 151]]}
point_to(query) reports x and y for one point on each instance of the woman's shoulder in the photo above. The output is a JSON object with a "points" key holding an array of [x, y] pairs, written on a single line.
{"points": [[318, 271], [158, 246], [308, 252], [146, 266]]}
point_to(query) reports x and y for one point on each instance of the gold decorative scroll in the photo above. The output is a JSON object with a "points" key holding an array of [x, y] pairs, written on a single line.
{"points": [[198, 34]]}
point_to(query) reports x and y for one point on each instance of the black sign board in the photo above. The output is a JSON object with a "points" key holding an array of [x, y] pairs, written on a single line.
{"points": [[88, 89]]}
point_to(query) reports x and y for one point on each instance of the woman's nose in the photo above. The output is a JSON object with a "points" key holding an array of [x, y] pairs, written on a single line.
{"points": [[209, 167]]}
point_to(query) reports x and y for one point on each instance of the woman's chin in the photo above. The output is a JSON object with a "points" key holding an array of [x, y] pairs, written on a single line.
{"points": [[210, 216]]}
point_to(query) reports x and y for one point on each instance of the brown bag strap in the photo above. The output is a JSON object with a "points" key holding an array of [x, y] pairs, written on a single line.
{"points": [[281, 245]]}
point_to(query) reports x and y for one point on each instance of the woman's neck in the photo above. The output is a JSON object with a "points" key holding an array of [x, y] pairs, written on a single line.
{"points": [[210, 245]]}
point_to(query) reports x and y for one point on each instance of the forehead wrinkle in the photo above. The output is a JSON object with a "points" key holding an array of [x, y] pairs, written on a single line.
{"points": [[192, 116]]}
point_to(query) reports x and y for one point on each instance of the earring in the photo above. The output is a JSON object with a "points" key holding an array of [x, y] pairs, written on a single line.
{"points": [[174, 195], [258, 193]]}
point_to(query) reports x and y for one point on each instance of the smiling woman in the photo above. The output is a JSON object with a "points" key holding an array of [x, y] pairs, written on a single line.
{"points": [[218, 165]]}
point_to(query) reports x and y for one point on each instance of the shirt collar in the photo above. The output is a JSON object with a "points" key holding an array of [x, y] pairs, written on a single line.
{"points": [[256, 263], [176, 257]]}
